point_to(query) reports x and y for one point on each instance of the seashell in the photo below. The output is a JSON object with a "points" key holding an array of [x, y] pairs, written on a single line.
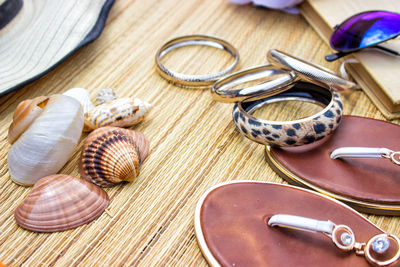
{"points": [[60, 202], [46, 145], [83, 97], [105, 95], [27, 111], [120, 112], [111, 155]]}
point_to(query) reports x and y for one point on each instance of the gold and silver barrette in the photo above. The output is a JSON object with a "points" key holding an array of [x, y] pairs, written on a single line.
{"points": [[380, 250]]}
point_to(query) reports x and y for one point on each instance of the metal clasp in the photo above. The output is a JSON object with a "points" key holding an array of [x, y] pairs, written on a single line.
{"points": [[366, 152]]}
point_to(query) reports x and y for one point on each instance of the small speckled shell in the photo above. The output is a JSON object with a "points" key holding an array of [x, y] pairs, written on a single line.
{"points": [[111, 155], [105, 95], [122, 112], [60, 202]]}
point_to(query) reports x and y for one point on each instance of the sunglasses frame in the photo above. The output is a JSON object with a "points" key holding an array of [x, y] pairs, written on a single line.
{"points": [[342, 53]]}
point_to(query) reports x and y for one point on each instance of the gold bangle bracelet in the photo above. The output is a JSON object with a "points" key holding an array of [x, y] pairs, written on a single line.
{"points": [[194, 80]]}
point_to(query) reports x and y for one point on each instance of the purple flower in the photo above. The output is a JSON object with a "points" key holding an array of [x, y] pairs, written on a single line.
{"points": [[285, 5]]}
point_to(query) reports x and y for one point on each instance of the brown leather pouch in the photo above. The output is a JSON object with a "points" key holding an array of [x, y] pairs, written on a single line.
{"points": [[232, 230], [369, 185]]}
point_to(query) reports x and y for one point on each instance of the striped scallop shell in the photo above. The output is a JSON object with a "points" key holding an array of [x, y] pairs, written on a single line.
{"points": [[111, 155], [122, 112], [60, 202]]}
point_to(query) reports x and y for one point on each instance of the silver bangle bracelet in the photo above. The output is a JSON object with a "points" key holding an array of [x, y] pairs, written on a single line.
{"points": [[280, 75], [287, 78], [308, 71], [194, 80], [278, 80]]}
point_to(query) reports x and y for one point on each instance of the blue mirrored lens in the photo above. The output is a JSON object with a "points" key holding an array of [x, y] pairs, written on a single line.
{"points": [[366, 29]]}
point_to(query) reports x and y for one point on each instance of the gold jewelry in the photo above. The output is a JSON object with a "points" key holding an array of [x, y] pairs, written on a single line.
{"points": [[394, 157], [194, 80]]}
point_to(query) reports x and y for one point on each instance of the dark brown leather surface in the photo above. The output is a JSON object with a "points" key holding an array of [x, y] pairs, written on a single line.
{"points": [[233, 219], [374, 180]]}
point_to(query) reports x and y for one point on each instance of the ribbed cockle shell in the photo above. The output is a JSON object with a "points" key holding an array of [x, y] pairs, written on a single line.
{"points": [[27, 111], [111, 155], [122, 112], [60, 202]]}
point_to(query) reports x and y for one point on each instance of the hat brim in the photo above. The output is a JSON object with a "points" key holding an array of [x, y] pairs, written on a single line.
{"points": [[42, 35]]}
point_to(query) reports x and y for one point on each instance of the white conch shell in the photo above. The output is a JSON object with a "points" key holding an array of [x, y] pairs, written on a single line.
{"points": [[122, 112], [105, 95], [82, 95], [26, 112], [46, 145]]}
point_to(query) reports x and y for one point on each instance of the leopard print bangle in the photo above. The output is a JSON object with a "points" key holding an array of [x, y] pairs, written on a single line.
{"points": [[291, 133]]}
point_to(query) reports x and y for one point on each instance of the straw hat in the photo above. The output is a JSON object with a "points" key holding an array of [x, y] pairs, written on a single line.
{"points": [[36, 35]]}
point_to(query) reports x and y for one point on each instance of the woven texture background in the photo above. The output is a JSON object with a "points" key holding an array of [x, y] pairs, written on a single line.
{"points": [[194, 144]]}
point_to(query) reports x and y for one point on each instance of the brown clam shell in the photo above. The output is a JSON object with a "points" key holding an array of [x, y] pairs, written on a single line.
{"points": [[61, 202], [111, 155], [26, 112]]}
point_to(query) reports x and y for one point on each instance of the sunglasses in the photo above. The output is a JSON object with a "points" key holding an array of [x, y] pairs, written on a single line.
{"points": [[366, 29]]}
